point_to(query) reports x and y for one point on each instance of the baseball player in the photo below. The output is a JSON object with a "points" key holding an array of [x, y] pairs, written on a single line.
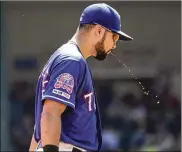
{"points": [[66, 110]]}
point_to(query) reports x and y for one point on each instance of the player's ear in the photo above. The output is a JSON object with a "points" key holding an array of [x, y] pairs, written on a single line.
{"points": [[99, 31]]}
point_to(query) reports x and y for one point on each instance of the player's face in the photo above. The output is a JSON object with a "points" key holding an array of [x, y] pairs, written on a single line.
{"points": [[106, 45]]}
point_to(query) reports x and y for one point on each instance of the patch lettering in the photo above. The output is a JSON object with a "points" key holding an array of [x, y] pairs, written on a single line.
{"points": [[61, 93]]}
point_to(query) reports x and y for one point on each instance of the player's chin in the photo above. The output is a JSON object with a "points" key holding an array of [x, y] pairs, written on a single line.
{"points": [[101, 57]]}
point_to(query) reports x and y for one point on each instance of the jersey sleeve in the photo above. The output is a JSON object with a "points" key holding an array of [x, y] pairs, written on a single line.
{"points": [[64, 82]]}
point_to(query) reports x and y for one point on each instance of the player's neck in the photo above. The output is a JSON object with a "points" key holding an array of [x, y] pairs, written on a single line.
{"points": [[83, 44]]}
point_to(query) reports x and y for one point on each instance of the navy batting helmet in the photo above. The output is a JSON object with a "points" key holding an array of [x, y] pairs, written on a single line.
{"points": [[106, 16]]}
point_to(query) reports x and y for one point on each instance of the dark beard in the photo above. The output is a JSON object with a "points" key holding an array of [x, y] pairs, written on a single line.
{"points": [[100, 50]]}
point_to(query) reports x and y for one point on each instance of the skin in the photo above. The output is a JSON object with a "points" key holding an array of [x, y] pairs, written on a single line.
{"points": [[50, 124], [98, 42]]}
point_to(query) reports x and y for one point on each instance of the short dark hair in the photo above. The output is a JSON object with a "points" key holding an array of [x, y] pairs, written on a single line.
{"points": [[86, 27]]}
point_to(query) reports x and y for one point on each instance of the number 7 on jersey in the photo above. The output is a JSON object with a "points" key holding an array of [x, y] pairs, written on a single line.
{"points": [[88, 98]]}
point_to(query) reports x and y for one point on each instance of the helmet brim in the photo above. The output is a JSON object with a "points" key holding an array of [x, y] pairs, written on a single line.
{"points": [[123, 36]]}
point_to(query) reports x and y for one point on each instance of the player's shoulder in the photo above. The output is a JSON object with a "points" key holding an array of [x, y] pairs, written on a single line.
{"points": [[67, 53]]}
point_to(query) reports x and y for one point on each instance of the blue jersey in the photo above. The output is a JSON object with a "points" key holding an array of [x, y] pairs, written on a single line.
{"points": [[66, 78]]}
